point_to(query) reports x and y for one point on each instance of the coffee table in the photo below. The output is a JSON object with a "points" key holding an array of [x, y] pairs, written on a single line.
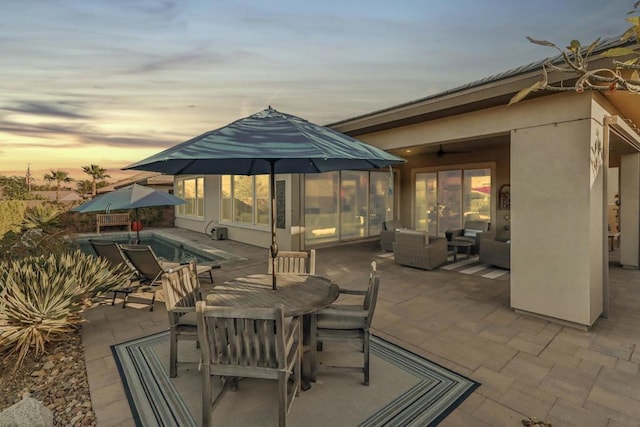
{"points": [[456, 244]]}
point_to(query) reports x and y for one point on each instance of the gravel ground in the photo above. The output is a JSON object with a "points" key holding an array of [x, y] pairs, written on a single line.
{"points": [[57, 378]]}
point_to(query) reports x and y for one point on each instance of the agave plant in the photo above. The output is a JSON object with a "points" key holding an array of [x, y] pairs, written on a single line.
{"points": [[44, 217], [41, 297]]}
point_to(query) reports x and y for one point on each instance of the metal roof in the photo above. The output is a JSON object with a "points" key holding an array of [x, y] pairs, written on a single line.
{"points": [[523, 69]]}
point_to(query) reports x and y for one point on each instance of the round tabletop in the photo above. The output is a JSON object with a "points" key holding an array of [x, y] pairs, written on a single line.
{"points": [[300, 294]]}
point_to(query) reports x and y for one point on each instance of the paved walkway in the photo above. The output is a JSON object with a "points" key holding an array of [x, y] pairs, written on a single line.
{"points": [[528, 367]]}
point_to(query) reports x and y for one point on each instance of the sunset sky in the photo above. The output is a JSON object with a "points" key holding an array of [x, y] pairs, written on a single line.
{"points": [[112, 82]]}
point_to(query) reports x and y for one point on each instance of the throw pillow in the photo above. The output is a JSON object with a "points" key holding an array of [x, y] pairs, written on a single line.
{"points": [[470, 232]]}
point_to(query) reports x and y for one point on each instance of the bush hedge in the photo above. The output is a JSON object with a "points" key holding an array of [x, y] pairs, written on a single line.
{"points": [[11, 215]]}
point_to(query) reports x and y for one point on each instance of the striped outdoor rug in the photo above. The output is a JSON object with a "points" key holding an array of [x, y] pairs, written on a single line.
{"points": [[473, 266], [405, 389], [469, 266]]}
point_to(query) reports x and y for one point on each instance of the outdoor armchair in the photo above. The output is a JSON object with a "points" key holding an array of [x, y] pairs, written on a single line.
{"points": [[416, 249], [241, 342], [469, 233], [388, 234], [350, 323], [496, 250]]}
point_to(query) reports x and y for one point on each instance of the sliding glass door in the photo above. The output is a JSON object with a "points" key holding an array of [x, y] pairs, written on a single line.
{"points": [[346, 205], [444, 199]]}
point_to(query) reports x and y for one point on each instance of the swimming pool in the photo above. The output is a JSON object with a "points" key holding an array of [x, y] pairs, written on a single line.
{"points": [[164, 250]]}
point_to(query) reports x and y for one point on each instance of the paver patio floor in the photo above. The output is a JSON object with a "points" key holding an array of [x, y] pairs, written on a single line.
{"points": [[528, 367]]}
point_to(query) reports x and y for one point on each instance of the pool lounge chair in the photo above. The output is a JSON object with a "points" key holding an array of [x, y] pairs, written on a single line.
{"points": [[109, 250], [151, 268]]}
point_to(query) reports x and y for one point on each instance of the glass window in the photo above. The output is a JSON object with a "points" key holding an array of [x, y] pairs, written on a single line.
{"points": [[192, 191], [380, 200], [225, 197], [477, 195], [245, 199], [263, 202], [354, 204], [346, 205], [321, 215], [447, 198]]}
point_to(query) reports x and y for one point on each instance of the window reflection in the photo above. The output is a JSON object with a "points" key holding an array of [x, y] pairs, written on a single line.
{"points": [[346, 205]]}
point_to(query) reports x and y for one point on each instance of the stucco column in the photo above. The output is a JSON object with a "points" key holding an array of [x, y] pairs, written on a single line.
{"points": [[629, 208], [557, 221]]}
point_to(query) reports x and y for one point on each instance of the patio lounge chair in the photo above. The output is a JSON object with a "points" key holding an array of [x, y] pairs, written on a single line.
{"points": [[350, 323], [110, 251], [248, 343], [181, 292], [301, 262], [150, 268]]}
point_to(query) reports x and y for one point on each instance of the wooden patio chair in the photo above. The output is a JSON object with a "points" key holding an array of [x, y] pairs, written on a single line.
{"points": [[181, 292], [248, 343], [350, 323], [300, 262], [110, 250]]}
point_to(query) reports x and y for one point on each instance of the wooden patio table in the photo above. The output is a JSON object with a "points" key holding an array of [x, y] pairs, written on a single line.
{"points": [[301, 295]]}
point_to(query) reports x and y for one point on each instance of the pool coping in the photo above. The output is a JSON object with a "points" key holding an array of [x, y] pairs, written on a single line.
{"points": [[200, 249]]}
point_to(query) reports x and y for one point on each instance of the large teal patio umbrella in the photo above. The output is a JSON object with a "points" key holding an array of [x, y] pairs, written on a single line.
{"points": [[268, 142]]}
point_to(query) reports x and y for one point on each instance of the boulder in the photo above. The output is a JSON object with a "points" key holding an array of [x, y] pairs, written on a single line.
{"points": [[29, 412]]}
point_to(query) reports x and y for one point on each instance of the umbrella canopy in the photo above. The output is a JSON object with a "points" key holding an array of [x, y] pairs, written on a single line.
{"points": [[248, 146], [268, 142], [129, 197]]}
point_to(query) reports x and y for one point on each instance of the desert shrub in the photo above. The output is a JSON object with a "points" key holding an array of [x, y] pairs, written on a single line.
{"points": [[41, 297], [11, 215], [43, 217], [32, 242]]}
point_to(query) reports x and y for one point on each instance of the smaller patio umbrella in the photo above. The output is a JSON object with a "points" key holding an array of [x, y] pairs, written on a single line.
{"points": [[130, 197]]}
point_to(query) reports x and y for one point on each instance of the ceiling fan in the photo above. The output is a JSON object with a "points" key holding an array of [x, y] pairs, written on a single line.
{"points": [[440, 153]]}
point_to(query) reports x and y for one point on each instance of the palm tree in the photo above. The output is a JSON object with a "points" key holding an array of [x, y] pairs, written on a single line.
{"points": [[97, 173], [59, 177]]}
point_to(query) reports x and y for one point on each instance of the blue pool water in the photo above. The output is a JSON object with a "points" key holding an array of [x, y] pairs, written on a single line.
{"points": [[163, 249]]}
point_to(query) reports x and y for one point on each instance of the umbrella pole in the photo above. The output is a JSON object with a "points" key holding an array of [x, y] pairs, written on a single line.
{"points": [[137, 228], [274, 244]]}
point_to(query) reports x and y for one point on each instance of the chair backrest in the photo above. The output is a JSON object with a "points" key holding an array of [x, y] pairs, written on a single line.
{"points": [[144, 260], [109, 250], [247, 339], [372, 275], [477, 226], [301, 262], [412, 239], [180, 287], [372, 297], [391, 225]]}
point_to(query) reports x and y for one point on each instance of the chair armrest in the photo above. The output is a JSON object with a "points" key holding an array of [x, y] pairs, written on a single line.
{"points": [[454, 232], [293, 331], [353, 314], [183, 310], [352, 292]]}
